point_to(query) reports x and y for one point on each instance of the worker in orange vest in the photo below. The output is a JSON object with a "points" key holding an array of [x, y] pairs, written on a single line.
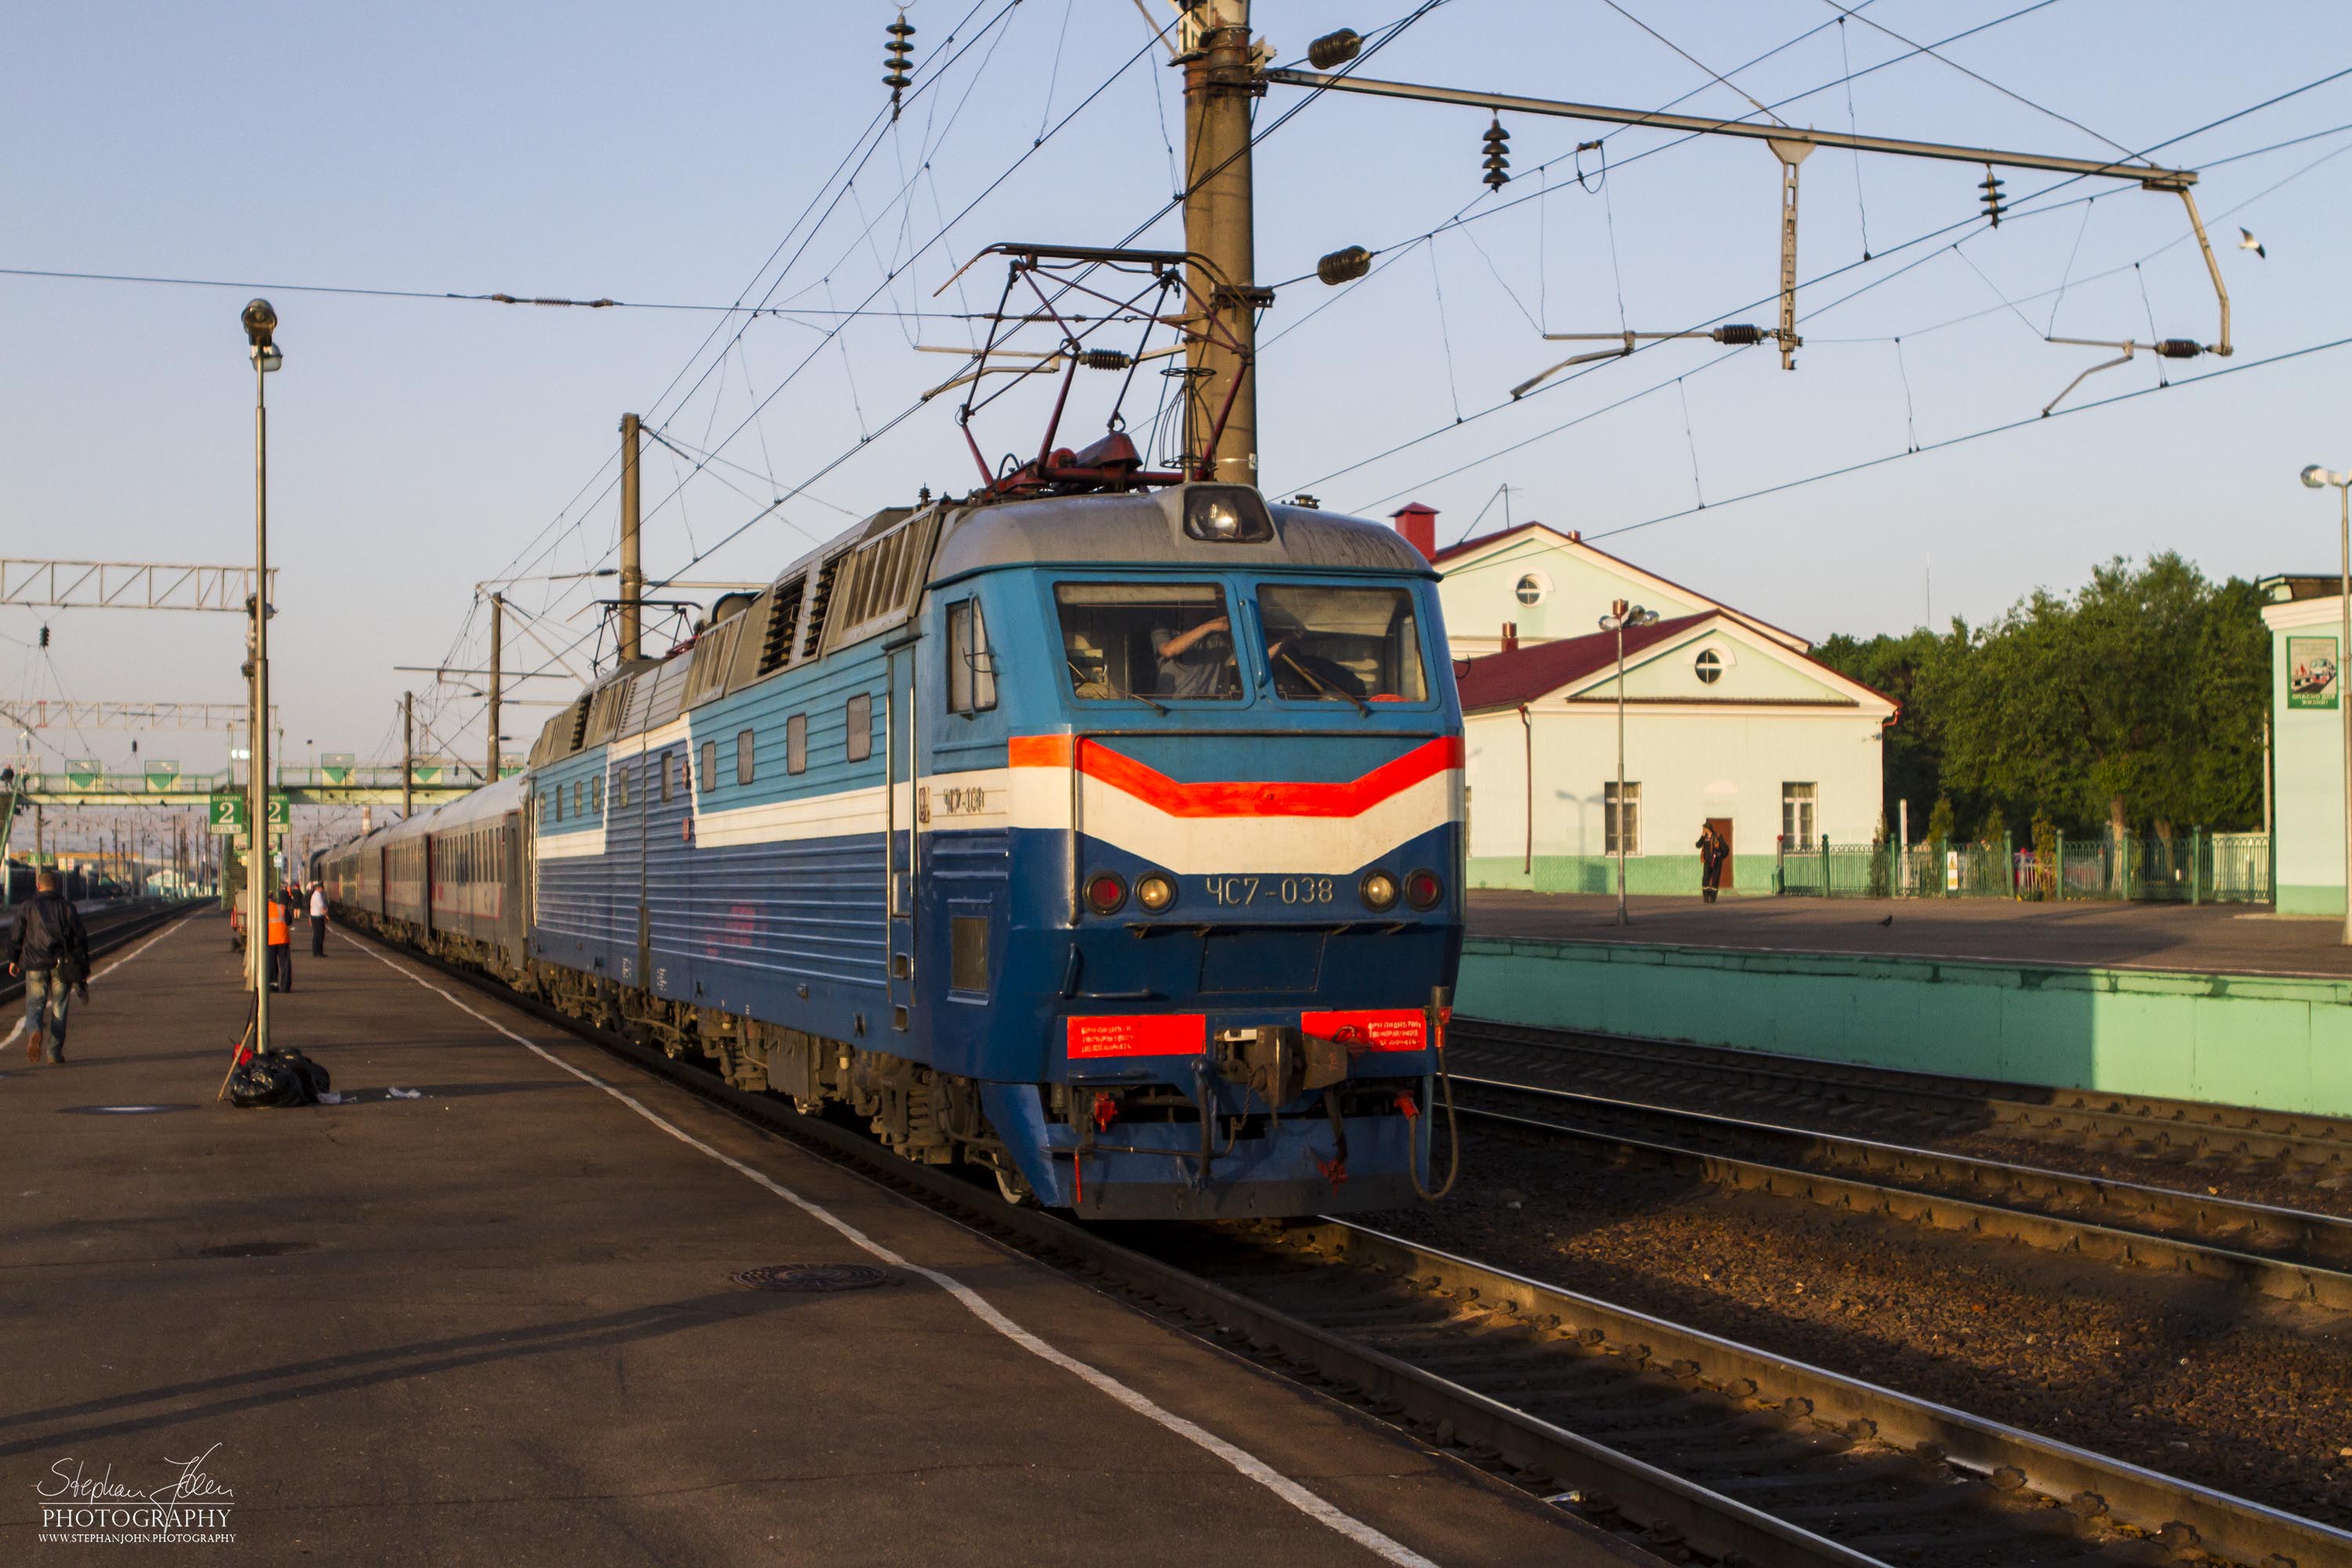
{"points": [[282, 949]]}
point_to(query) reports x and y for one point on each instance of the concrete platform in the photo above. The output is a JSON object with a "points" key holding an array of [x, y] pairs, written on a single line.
{"points": [[2204, 938], [496, 1324], [2188, 1003]]}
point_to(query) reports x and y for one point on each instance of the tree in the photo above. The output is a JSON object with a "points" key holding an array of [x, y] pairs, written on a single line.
{"points": [[2137, 699]]}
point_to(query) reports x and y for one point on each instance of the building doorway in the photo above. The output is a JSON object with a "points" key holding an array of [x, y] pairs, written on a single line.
{"points": [[1722, 825]]}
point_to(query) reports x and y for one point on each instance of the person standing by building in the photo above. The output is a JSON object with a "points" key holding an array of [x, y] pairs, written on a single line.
{"points": [[1712, 853], [318, 920], [281, 949], [52, 951]]}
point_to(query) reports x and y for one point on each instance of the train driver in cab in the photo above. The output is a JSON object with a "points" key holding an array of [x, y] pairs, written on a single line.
{"points": [[1197, 661]]}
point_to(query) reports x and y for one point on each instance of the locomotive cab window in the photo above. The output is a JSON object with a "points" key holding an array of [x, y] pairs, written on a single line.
{"points": [[971, 671], [1337, 645], [1127, 641]]}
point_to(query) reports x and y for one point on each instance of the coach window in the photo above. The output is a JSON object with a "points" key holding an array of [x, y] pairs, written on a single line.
{"points": [[972, 674], [861, 727], [796, 743], [744, 757], [710, 766]]}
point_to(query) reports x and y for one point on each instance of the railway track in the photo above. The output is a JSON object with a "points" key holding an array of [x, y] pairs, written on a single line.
{"points": [[116, 928], [1690, 1443], [2188, 1132], [2285, 1252]]}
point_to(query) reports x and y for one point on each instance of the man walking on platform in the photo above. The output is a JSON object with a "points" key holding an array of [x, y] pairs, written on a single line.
{"points": [[52, 951], [282, 951], [318, 920]]}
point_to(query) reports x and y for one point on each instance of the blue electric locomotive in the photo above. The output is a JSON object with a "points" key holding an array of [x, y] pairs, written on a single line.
{"points": [[1112, 842]]}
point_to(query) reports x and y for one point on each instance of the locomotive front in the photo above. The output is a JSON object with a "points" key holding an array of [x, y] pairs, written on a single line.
{"points": [[1215, 747]]}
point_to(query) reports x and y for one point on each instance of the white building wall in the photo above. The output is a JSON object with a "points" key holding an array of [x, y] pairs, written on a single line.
{"points": [[1692, 764]]}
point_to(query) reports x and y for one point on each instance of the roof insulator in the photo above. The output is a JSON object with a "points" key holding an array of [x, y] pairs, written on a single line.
{"points": [[1344, 266], [1334, 49]]}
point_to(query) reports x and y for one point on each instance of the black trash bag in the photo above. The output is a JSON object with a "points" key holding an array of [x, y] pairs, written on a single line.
{"points": [[265, 1081], [315, 1081], [281, 1078]]}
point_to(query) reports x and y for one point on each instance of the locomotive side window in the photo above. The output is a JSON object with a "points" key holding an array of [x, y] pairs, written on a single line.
{"points": [[1337, 644], [796, 743], [971, 673], [860, 740], [1140, 640]]}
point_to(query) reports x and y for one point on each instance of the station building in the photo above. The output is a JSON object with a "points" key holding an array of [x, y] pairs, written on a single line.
{"points": [[1728, 720], [2305, 617]]}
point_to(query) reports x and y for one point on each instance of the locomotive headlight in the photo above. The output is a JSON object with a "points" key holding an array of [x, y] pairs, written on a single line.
{"points": [[1227, 514], [1378, 889], [1155, 892], [1423, 890], [1105, 892]]}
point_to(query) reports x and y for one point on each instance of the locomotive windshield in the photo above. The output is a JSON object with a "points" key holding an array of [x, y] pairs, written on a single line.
{"points": [[1146, 640], [1342, 644]]}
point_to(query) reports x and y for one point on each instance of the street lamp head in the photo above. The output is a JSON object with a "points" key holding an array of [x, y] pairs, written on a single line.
{"points": [[259, 320], [2319, 478]]}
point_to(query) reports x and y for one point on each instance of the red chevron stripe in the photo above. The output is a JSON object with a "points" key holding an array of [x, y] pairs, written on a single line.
{"points": [[1278, 797]]}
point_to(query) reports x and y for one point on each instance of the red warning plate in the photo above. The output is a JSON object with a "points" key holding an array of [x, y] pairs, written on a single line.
{"points": [[1151, 1035], [1402, 1029]]}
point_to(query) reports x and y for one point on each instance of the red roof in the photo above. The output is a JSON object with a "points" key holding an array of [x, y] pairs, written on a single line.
{"points": [[1467, 545], [1524, 674]]}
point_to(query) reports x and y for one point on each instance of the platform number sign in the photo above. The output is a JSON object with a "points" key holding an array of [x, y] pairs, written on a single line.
{"points": [[229, 813], [2314, 677]]}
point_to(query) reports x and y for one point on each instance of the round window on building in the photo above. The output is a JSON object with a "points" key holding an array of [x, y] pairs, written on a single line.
{"points": [[1707, 666], [1532, 588]]}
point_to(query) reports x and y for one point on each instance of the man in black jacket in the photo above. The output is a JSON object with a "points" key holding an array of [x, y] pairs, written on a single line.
{"points": [[52, 951]]}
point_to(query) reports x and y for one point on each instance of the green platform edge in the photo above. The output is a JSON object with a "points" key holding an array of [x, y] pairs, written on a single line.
{"points": [[2283, 1044]]}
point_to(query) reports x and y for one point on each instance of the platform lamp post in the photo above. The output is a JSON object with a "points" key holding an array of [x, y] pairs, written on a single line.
{"points": [[260, 324], [1620, 616], [2318, 477]]}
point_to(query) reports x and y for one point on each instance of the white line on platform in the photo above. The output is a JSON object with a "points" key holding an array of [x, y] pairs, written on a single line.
{"points": [[1381, 1546], [18, 1030]]}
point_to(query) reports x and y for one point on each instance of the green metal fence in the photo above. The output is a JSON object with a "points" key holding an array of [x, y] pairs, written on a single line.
{"points": [[2194, 867]]}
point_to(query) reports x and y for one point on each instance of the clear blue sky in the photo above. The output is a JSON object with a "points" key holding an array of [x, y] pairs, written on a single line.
{"points": [[421, 446]]}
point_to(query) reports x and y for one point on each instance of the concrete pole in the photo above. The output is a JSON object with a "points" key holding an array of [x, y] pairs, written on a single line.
{"points": [[632, 576], [498, 643], [257, 869], [1622, 917], [1219, 227], [407, 755]]}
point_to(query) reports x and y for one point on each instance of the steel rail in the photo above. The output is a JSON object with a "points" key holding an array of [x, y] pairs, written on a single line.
{"points": [[2196, 1127], [2289, 1279], [2097, 1486], [1460, 1422]]}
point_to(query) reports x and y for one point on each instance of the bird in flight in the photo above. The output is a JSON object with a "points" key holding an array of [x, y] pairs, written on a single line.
{"points": [[2246, 241]]}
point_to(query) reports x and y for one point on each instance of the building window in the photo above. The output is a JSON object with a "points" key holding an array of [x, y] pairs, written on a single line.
{"points": [[710, 766], [1797, 816], [1707, 666], [971, 676], [861, 727], [796, 743], [663, 762], [596, 795], [744, 757], [1622, 819], [620, 787], [1532, 588]]}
